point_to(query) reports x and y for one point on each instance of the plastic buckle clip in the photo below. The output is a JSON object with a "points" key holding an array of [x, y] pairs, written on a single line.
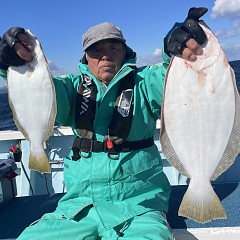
{"points": [[87, 152], [113, 156]]}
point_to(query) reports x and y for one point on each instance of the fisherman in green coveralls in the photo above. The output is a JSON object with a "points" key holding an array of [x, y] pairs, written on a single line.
{"points": [[116, 187]]}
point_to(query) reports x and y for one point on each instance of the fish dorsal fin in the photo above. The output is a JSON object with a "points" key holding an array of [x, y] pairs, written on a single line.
{"points": [[169, 151], [233, 146]]}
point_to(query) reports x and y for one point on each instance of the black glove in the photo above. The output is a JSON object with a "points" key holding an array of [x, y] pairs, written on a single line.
{"points": [[177, 38], [8, 56]]}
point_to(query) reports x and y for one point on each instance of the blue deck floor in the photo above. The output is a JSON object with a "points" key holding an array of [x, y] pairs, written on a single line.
{"points": [[22, 211]]}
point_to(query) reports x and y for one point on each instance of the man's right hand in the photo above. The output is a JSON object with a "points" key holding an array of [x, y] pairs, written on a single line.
{"points": [[15, 48]]}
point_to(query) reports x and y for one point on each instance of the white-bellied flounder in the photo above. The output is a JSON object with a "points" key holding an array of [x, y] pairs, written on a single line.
{"points": [[200, 126], [32, 99]]}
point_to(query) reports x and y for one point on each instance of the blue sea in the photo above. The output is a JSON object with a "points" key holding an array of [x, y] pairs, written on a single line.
{"points": [[6, 118]]}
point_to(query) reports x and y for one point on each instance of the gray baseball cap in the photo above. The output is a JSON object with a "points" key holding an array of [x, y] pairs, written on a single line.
{"points": [[103, 31]]}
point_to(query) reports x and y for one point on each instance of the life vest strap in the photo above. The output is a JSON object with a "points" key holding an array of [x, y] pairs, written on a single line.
{"points": [[88, 146]]}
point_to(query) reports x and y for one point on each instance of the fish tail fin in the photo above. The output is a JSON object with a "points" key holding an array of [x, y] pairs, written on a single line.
{"points": [[202, 206], [38, 161]]}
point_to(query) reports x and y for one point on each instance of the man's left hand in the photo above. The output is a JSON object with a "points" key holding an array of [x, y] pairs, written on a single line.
{"points": [[186, 39]]}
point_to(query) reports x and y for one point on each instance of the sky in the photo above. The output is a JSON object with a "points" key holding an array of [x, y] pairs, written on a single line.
{"points": [[59, 25]]}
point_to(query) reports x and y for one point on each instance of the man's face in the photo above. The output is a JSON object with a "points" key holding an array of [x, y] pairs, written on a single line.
{"points": [[105, 58]]}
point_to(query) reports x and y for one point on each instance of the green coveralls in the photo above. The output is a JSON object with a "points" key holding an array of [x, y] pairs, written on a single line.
{"points": [[111, 199]]}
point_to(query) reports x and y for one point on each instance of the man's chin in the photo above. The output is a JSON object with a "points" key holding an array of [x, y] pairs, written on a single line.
{"points": [[107, 77]]}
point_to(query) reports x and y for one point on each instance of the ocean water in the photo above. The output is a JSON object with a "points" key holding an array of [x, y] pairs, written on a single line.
{"points": [[6, 118]]}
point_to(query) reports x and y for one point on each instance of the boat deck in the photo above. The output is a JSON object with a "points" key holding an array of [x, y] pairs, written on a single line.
{"points": [[20, 212]]}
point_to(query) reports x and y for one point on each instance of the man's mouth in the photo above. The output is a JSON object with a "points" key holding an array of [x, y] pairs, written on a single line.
{"points": [[107, 67]]}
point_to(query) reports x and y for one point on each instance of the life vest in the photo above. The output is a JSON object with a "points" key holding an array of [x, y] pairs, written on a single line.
{"points": [[121, 121], [119, 127]]}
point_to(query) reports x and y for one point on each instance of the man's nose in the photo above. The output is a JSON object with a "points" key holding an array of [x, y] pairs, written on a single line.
{"points": [[106, 55]]}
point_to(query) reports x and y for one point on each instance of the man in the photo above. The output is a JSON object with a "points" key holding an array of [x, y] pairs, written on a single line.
{"points": [[116, 188]]}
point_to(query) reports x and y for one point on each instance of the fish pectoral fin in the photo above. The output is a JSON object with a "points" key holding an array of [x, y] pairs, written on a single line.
{"points": [[201, 208], [39, 163]]}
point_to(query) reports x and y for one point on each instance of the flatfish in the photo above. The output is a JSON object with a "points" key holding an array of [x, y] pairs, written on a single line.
{"points": [[31, 95], [200, 126]]}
